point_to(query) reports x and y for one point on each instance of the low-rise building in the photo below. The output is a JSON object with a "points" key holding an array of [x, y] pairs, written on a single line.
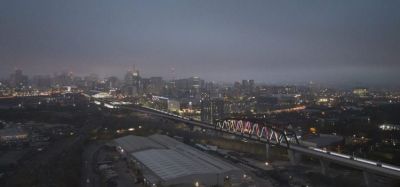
{"points": [[165, 161], [13, 135], [173, 105]]}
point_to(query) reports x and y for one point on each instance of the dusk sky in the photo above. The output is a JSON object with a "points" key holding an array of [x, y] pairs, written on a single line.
{"points": [[223, 40]]}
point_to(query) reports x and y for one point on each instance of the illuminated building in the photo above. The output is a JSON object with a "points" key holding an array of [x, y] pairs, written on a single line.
{"points": [[361, 92], [102, 95], [173, 105], [389, 127], [13, 135], [160, 102], [212, 109], [133, 83]]}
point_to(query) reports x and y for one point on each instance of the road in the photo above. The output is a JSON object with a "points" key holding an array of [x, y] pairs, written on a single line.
{"points": [[89, 177]]}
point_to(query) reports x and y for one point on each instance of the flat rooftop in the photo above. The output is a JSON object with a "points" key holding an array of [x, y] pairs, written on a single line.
{"points": [[171, 162], [12, 132], [137, 143]]}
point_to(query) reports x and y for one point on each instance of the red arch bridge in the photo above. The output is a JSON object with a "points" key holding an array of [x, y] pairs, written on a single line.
{"points": [[271, 134]]}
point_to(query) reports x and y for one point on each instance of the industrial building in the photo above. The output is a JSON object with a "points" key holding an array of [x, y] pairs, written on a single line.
{"points": [[13, 135], [165, 161]]}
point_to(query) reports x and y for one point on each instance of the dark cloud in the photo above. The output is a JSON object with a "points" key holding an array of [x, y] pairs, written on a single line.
{"points": [[271, 41]]}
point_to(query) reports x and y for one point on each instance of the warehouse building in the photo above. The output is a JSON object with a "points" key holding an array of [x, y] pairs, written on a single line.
{"points": [[13, 135], [165, 161]]}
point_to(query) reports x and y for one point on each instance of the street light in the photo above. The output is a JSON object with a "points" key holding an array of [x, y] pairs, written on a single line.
{"points": [[266, 163], [197, 184]]}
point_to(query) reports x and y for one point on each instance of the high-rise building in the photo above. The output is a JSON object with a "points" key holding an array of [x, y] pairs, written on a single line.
{"points": [[112, 82], [63, 79], [133, 83], [245, 84], [212, 110], [18, 79], [251, 86], [156, 85], [41, 81], [91, 81]]}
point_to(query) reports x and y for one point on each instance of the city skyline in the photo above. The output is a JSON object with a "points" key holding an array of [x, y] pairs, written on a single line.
{"points": [[332, 42], [122, 77]]}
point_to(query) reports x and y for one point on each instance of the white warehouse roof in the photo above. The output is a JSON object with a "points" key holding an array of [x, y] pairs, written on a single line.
{"points": [[174, 163], [137, 143]]}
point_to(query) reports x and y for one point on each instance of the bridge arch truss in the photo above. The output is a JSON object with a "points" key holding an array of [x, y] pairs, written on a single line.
{"points": [[270, 134]]}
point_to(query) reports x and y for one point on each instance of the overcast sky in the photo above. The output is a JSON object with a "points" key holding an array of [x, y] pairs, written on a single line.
{"points": [[339, 41]]}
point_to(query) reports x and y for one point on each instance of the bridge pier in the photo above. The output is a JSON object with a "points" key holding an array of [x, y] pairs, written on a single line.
{"points": [[324, 166], [267, 151], [369, 179], [294, 157]]}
